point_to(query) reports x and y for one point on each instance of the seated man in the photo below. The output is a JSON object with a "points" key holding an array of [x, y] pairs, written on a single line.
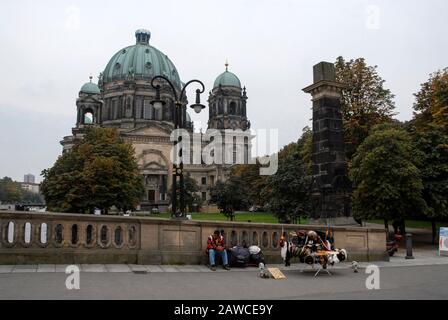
{"points": [[216, 245]]}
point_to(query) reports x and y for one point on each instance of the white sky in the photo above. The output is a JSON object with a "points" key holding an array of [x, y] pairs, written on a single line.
{"points": [[48, 49]]}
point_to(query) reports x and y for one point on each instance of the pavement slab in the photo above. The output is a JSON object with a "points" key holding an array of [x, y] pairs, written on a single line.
{"points": [[44, 268], [167, 268], [6, 269], [61, 268], [154, 269], [24, 269], [136, 268], [118, 268], [93, 268]]}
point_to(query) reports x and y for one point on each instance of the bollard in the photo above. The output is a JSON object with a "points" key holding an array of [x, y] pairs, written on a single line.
{"points": [[409, 246]]}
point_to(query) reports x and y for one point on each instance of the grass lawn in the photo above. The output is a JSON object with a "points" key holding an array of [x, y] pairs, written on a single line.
{"points": [[257, 217], [419, 224]]}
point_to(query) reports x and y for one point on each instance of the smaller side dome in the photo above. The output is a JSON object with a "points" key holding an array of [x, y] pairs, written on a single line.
{"points": [[90, 88], [227, 79]]}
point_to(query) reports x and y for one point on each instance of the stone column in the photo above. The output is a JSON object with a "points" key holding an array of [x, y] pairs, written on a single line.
{"points": [[331, 194]]}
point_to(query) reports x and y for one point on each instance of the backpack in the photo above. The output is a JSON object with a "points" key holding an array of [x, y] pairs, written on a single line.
{"points": [[239, 257]]}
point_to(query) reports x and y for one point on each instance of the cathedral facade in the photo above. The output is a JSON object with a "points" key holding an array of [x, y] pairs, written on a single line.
{"points": [[122, 100]]}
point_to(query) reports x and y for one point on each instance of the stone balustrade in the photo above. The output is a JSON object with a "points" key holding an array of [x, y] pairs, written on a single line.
{"points": [[53, 238]]}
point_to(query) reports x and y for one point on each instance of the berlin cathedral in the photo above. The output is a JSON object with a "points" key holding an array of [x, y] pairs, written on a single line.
{"points": [[122, 99]]}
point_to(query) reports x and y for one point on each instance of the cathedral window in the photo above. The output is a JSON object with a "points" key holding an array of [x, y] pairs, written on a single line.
{"points": [[88, 117], [232, 108], [234, 150], [139, 108], [147, 110], [246, 150]]}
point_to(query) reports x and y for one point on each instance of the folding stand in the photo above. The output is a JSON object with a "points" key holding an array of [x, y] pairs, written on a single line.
{"points": [[320, 269]]}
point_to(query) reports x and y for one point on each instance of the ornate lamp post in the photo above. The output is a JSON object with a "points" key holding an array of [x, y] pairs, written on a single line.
{"points": [[179, 123]]}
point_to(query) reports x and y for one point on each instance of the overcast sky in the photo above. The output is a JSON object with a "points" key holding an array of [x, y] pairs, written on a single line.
{"points": [[48, 49]]}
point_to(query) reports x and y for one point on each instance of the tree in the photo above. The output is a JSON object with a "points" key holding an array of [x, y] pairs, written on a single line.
{"points": [[98, 172], [431, 156], [305, 149], [230, 196], [431, 106], [13, 193], [387, 183], [288, 190], [364, 102], [10, 191], [249, 174], [192, 199]]}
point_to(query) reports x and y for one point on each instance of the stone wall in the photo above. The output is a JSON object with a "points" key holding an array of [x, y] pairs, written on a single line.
{"points": [[52, 238]]}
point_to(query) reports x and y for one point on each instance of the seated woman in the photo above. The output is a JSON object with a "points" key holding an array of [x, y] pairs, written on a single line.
{"points": [[216, 245]]}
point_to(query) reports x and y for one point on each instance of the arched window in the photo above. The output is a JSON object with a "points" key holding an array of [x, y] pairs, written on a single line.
{"points": [[43, 233], [275, 239], [11, 230], [245, 239], [27, 235], [119, 236], [74, 234], [129, 108], [265, 240], [88, 118], [104, 235], [255, 238], [246, 150], [58, 234], [220, 107], [234, 238], [89, 234], [234, 150], [148, 110], [132, 236], [232, 108]]}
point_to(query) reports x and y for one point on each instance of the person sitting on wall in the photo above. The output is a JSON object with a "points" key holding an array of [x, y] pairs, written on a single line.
{"points": [[216, 245]]}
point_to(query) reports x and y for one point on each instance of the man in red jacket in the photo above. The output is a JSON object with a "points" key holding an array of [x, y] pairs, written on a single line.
{"points": [[216, 245]]}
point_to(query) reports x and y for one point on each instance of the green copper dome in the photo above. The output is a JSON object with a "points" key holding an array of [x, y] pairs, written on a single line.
{"points": [[140, 61], [227, 79], [90, 88]]}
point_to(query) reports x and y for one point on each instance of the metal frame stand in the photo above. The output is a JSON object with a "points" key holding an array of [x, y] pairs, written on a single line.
{"points": [[320, 269]]}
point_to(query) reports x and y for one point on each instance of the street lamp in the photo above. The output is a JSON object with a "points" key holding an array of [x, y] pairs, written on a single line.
{"points": [[179, 123]]}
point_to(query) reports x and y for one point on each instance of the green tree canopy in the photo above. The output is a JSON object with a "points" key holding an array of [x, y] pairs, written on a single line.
{"points": [[249, 175], [431, 106], [288, 190], [430, 149], [12, 192], [364, 102], [98, 172], [387, 183], [230, 196], [192, 198]]}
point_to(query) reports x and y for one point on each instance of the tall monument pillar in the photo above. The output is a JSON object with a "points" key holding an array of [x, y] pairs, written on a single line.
{"points": [[331, 193]]}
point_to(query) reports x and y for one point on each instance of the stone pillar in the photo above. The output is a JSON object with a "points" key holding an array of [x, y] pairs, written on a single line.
{"points": [[331, 194]]}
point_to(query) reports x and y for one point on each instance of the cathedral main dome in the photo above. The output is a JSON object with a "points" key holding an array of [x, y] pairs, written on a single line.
{"points": [[140, 61]]}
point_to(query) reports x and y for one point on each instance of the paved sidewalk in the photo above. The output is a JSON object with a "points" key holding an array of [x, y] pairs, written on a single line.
{"points": [[422, 258]]}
